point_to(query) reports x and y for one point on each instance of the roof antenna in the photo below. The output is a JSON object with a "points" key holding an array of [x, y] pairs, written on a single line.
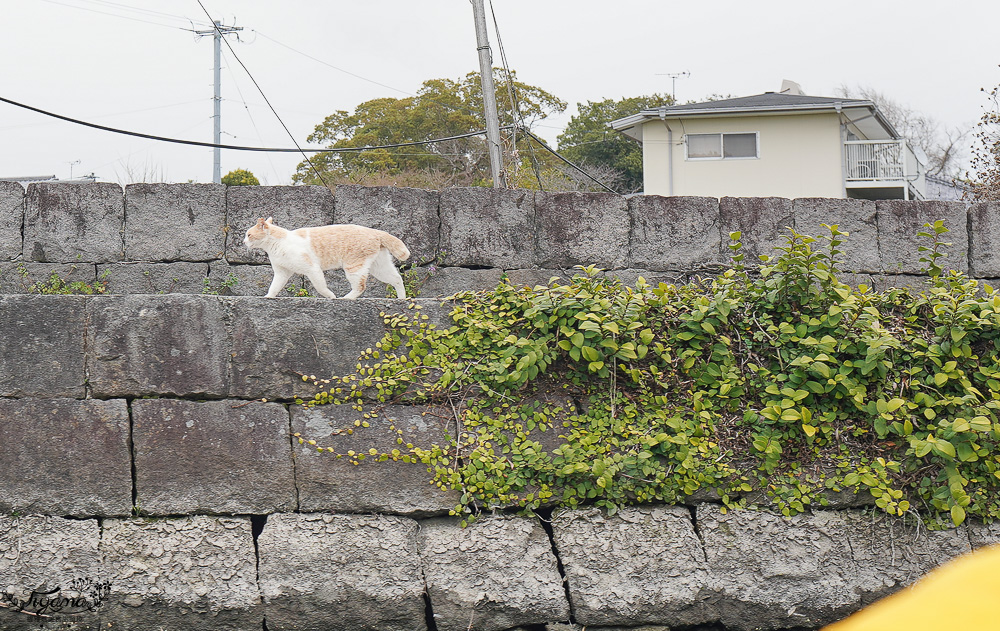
{"points": [[673, 81]]}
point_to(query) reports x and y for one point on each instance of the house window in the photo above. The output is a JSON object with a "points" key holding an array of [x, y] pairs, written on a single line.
{"points": [[721, 146]]}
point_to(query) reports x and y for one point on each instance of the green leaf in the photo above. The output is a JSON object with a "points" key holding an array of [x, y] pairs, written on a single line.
{"points": [[589, 353], [957, 515]]}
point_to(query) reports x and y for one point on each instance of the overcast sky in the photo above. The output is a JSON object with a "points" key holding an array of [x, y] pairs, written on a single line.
{"points": [[134, 64]]}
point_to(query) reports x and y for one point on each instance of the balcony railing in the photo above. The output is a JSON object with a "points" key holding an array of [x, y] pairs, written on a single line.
{"points": [[876, 160]]}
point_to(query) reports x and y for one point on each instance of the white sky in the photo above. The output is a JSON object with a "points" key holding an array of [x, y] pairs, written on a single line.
{"points": [[83, 59]]}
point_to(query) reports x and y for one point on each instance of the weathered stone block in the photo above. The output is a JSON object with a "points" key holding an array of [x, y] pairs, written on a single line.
{"points": [[65, 457], [11, 219], [225, 279], [763, 222], [645, 565], [149, 345], [773, 572], [497, 573], [216, 457], [488, 227], [291, 207], [42, 350], [175, 222], [275, 340], [51, 574], [445, 281], [29, 277], [326, 483], [855, 216], [67, 223], [582, 229], [984, 231], [193, 573], [341, 573], [411, 214], [982, 535], [900, 221], [890, 555], [154, 278], [676, 233]]}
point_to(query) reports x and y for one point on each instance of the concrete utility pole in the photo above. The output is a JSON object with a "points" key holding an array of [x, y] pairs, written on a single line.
{"points": [[489, 94], [217, 34]]}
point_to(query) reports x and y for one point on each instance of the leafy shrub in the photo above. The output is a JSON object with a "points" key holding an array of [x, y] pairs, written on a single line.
{"points": [[770, 386]]}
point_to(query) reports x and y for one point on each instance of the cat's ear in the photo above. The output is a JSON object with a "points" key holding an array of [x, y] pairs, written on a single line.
{"points": [[268, 222], [260, 221]]}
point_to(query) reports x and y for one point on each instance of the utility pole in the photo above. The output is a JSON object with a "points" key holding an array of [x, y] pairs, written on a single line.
{"points": [[217, 34], [489, 94]]}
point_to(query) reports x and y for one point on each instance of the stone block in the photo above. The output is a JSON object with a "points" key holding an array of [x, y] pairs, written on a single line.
{"points": [[772, 572], [497, 573], [154, 278], [175, 222], [225, 279], [411, 214], [28, 277], [445, 281], [900, 221], [328, 483], [763, 222], [644, 565], [11, 220], [488, 227], [51, 567], [291, 207], [158, 345], [275, 340], [43, 341], [341, 573], [984, 231], [855, 216], [216, 457], [193, 573], [65, 457], [69, 223], [889, 555], [582, 229], [676, 233], [982, 535]]}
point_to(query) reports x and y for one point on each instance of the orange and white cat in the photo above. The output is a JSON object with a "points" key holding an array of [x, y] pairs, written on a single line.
{"points": [[358, 250]]}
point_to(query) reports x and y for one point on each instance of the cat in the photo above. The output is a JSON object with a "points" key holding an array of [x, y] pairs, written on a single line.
{"points": [[358, 250]]}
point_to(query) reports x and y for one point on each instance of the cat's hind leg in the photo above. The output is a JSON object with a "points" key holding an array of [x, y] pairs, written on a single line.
{"points": [[281, 276], [319, 282], [384, 270], [358, 278]]}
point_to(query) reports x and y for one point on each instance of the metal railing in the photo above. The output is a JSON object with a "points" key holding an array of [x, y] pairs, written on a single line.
{"points": [[875, 160]]}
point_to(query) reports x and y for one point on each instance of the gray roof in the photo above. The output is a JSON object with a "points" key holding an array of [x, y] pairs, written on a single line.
{"points": [[767, 102]]}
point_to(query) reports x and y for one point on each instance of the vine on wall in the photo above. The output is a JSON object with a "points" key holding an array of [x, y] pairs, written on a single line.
{"points": [[765, 386]]}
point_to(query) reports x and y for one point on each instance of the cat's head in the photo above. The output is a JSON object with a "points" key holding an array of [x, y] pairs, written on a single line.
{"points": [[258, 232]]}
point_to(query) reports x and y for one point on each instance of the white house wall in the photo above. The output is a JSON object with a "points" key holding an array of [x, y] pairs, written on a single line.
{"points": [[799, 156]]}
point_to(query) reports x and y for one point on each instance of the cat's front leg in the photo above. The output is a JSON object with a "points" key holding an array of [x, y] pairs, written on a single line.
{"points": [[281, 276]]}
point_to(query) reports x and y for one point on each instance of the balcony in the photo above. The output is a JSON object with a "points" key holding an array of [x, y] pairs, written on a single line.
{"points": [[882, 169]]}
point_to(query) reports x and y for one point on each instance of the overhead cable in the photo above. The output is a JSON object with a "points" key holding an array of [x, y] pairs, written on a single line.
{"points": [[198, 143]]}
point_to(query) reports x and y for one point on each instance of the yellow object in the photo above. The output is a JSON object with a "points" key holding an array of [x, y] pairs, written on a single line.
{"points": [[961, 595]]}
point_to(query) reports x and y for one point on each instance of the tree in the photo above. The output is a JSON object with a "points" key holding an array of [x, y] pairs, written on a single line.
{"points": [[942, 146], [589, 142], [984, 173], [442, 108], [240, 177]]}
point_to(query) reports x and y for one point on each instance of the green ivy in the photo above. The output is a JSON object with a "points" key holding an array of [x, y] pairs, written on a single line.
{"points": [[771, 386]]}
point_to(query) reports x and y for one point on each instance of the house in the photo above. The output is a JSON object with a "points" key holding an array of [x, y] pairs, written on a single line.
{"points": [[783, 144]]}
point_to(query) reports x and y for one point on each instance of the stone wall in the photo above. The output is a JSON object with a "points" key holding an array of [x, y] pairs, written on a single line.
{"points": [[187, 238], [148, 478]]}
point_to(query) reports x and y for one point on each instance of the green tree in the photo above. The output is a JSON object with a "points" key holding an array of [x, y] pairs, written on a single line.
{"points": [[441, 108], [589, 142], [240, 177]]}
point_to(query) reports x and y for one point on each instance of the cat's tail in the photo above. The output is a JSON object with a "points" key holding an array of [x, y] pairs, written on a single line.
{"points": [[396, 247]]}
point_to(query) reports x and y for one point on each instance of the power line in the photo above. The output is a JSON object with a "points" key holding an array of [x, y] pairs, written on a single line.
{"points": [[556, 154], [197, 143]]}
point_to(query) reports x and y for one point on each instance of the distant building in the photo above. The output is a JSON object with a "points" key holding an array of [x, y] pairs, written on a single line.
{"points": [[784, 144], [31, 179]]}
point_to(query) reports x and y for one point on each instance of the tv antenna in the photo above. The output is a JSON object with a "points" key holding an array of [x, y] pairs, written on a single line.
{"points": [[673, 81]]}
